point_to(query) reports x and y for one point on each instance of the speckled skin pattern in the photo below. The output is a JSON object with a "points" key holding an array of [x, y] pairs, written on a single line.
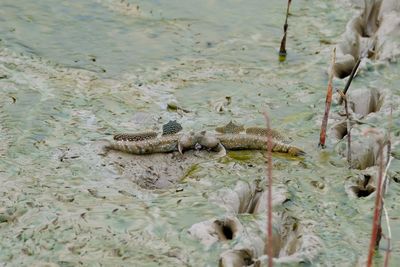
{"points": [[265, 132], [256, 142], [163, 144], [135, 136], [230, 128], [181, 142]]}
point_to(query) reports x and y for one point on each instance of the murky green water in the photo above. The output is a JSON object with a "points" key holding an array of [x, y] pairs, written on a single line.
{"points": [[79, 71]]}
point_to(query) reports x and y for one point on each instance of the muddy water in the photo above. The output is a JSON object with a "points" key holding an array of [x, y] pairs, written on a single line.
{"points": [[74, 73]]}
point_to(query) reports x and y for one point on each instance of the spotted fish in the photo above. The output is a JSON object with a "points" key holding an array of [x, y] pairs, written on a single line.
{"points": [[181, 142]]}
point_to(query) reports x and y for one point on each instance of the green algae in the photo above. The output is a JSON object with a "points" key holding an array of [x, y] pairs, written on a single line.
{"points": [[190, 172], [241, 155]]}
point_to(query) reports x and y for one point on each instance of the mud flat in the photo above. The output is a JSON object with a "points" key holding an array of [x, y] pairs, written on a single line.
{"points": [[371, 37], [293, 240]]}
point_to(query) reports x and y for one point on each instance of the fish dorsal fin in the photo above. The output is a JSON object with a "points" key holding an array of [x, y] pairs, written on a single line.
{"points": [[230, 128]]}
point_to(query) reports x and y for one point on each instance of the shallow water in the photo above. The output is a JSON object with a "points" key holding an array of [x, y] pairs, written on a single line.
{"points": [[76, 72]]}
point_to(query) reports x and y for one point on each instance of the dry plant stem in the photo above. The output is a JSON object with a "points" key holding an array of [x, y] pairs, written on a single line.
{"points": [[385, 183], [322, 137], [389, 142], [389, 238], [282, 49], [269, 188], [346, 107], [385, 180], [353, 72], [384, 188], [376, 227]]}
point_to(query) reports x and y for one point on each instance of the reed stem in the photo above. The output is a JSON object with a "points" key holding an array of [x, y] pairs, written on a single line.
{"points": [[346, 107], [376, 225], [328, 101], [269, 191], [282, 49]]}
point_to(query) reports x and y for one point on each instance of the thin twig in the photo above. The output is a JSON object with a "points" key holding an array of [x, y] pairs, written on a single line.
{"points": [[384, 188], [389, 149], [353, 72], [282, 49], [376, 227], [346, 107], [389, 238], [322, 137], [269, 185], [355, 67], [385, 180]]}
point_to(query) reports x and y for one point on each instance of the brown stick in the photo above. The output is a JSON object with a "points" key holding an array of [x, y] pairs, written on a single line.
{"points": [[346, 107], [322, 137], [282, 49], [269, 188], [376, 226]]}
